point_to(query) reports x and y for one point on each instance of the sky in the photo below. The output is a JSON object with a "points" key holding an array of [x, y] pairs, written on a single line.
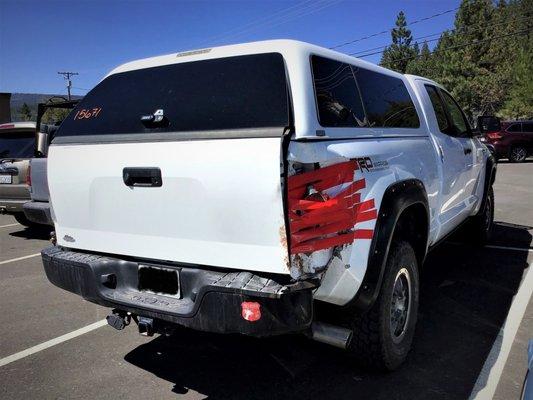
{"points": [[91, 37]]}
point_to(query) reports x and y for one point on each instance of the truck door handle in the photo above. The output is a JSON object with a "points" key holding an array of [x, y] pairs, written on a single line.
{"points": [[142, 177], [467, 150]]}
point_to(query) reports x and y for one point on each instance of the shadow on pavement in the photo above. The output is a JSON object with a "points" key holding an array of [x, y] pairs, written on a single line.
{"points": [[465, 296], [41, 232]]}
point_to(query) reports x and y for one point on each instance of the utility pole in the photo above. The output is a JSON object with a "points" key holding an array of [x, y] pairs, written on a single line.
{"points": [[67, 76]]}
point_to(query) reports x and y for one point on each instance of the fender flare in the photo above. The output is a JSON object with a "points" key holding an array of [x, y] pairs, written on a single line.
{"points": [[490, 177], [396, 199]]}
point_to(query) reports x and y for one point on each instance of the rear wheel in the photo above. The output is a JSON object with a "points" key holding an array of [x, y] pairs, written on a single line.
{"points": [[383, 336], [518, 154]]}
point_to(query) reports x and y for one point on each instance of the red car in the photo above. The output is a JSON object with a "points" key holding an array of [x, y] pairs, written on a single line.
{"points": [[508, 139]]}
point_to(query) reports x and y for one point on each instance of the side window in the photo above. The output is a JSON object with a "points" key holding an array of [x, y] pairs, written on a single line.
{"points": [[386, 99], [527, 127], [460, 126], [337, 96], [438, 108], [514, 128]]}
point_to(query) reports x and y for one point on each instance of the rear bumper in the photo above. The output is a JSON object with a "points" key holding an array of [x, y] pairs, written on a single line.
{"points": [[12, 205], [209, 300], [38, 212]]}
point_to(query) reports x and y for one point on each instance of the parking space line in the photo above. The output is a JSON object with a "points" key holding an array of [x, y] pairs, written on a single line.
{"points": [[492, 370], [8, 225], [19, 258], [52, 342]]}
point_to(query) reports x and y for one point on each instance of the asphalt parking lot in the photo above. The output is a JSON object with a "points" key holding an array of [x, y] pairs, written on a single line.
{"points": [[462, 342]]}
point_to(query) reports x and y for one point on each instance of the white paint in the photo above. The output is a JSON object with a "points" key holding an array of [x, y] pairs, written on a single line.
{"points": [[491, 372], [52, 342], [220, 203], [19, 258], [8, 225]]}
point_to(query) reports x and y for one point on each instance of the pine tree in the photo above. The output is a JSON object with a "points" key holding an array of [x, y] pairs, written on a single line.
{"points": [[423, 64], [400, 52], [25, 112], [520, 101]]}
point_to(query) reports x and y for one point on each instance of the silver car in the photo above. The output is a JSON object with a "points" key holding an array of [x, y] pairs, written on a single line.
{"points": [[17, 146]]}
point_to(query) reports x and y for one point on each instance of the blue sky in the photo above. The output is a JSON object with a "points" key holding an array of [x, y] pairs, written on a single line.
{"points": [[39, 38]]}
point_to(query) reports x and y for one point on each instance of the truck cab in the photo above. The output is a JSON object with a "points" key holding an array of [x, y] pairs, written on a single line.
{"points": [[261, 189]]}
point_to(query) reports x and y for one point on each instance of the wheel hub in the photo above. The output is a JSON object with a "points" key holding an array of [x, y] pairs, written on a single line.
{"points": [[400, 305]]}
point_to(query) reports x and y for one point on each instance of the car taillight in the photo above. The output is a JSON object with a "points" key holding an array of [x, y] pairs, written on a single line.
{"points": [[319, 220], [494, 135], [28, 177]]}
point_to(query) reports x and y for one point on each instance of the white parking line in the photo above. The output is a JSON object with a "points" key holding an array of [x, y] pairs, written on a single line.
{"points": [[19, 258], [490, 375], [5, 226], [50, 343]]}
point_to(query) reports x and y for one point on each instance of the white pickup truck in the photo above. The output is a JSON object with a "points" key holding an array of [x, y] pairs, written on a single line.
{"points": [[261, 189]]}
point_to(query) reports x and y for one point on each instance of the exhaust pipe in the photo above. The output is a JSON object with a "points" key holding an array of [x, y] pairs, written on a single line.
{"points": [[330, 334]]}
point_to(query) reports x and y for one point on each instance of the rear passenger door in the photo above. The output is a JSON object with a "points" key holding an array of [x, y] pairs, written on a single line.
{"points": [[451, 134]]}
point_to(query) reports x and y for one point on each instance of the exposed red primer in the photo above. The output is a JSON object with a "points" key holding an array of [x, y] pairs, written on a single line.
{"points": [[321, 224]]}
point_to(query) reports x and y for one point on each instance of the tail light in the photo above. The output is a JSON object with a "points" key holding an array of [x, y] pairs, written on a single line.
{"points": [[494, 135], [28, 177], [324, 206]]}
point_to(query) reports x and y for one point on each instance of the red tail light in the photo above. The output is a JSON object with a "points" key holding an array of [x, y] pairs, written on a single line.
{"points": [[28, 177], [494, 135], [319, 221]]}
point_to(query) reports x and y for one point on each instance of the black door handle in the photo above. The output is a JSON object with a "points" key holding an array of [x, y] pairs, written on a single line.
{"points": [[143, 177], [467, 150]]}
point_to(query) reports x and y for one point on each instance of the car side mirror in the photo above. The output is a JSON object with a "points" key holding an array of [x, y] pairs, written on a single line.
{"points": [[41, 144]]}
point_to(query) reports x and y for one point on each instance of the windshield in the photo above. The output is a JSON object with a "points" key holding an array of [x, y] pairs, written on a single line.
{"points": [[239, 92], [17, 145]]}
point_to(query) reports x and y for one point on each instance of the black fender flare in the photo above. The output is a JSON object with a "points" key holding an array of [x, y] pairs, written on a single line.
{"points": [[490, 177], [397, 198]]}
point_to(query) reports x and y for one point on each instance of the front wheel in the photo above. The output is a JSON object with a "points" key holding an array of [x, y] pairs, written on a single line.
{"points": [[481, 224], [383, 336], [518, 154]]}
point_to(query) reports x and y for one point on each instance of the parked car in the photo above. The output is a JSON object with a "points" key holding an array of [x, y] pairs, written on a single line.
{"points": [[39, 210], [262, 189], [510, 139], [17, 144]]}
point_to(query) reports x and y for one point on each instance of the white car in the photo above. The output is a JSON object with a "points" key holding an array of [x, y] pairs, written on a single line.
{"points": [[263, 188]]}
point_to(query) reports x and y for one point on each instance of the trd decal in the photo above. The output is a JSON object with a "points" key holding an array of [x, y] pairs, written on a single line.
{"points": [[318, 221], [366, 164]]}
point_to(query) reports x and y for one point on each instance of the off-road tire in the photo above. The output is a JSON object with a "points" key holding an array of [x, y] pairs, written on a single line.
{"points": [[373, 343], [480, 226], [517, 154]]}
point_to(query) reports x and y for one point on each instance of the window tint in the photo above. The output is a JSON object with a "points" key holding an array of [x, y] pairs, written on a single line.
{"points": [[386, 99], [527, 127], [338, 101], [17, 145], [228, 93], [514, 128], [460, 126], [438, 108], [369, 99]]}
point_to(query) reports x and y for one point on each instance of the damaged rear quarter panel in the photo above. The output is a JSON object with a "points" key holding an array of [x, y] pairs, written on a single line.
{"points": [[344, 182]]}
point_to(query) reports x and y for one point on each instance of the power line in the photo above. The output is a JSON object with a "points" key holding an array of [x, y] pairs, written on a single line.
{"points": [[467, 44], [67, 76], [464, 28], [388, 30]]}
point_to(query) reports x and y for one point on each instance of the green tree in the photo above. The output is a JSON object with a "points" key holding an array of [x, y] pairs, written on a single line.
{"points": [[25, 112], [520, 100], [400, 52], [423, 64]]}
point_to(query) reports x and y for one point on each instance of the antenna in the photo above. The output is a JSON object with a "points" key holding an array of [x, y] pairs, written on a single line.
{"points": [[67, 76]]}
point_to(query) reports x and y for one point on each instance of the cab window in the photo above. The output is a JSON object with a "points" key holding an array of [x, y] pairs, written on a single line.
{"points": [[459, 124]]}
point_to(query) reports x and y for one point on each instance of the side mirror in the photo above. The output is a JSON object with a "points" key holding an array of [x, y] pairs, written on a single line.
{"points": [[41, 144]]}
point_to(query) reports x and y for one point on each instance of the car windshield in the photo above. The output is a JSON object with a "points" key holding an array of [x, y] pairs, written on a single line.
{"points": [[17, 145]]}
